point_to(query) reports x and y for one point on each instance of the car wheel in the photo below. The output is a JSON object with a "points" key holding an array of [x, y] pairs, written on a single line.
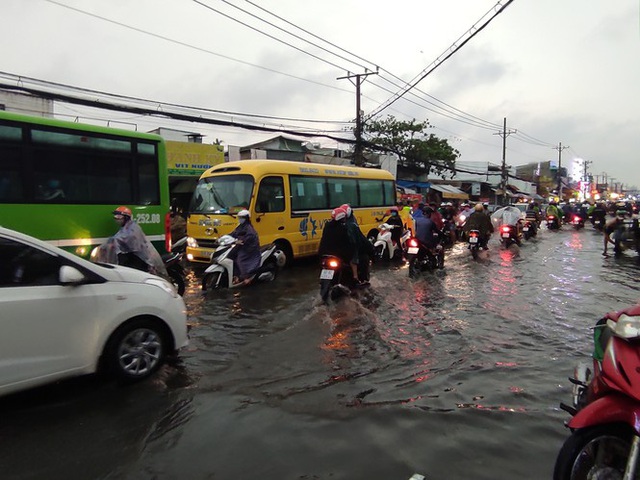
{"points": [[136, 350]]}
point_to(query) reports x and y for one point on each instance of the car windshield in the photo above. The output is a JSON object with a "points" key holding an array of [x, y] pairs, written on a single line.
{"points": [[222, 194]]}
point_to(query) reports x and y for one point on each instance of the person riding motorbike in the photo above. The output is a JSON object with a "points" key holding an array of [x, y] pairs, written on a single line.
{"points": [[611, 228], [553, 209], [246, 256], [426, 230], [131, 247], [335, 239], [480, 221], [395, 220], [362, 248]]}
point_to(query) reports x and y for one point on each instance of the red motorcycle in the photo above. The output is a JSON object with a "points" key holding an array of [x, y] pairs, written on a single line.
{"points": [[605, 428]]}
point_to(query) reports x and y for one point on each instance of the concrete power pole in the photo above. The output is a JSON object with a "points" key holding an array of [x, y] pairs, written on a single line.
{"points": [[505, 174], [359, 78], [560, 148]]}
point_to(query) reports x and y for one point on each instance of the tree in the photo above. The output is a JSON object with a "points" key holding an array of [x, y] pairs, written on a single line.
{"points": [[417, 150]]}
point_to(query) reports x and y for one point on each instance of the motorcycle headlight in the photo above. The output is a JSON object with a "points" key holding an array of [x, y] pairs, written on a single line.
{"points": [[192, 242], [626, 326]]}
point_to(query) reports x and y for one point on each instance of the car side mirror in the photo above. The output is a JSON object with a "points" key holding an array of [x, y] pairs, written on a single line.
{"points": [[69, 275]]}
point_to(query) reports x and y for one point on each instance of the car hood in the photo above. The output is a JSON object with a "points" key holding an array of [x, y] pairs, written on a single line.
{"points": [[118, 273]]}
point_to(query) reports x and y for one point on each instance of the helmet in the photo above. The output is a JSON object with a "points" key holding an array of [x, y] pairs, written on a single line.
{"points": [[244, 213], [124, 211], [427, 210], [621, 213], [347, 209], [478, 208], [394, 209], [338, 213]]}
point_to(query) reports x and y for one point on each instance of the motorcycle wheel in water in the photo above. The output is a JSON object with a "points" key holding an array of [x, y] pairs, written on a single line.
{"points": [[552, 222], [336, 279], [577, 222], [473, 241], [605, 436], [509, 235], [421, 258], [529, 230], [173, 264]]}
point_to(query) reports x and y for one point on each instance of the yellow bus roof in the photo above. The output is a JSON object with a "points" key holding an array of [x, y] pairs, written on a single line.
{"points": [[260, 168]]}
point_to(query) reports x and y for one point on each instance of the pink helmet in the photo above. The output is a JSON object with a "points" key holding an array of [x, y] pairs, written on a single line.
{"points": [[338, 213], [347, 209]]}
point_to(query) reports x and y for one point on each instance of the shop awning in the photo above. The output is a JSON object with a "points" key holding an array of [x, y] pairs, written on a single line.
{"points": [[449, 191], [412, 184]]}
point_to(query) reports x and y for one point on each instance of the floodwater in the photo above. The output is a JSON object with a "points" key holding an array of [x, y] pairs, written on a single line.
{"points": [[455, 375]]}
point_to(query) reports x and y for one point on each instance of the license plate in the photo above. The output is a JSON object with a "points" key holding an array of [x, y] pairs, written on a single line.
{"points": [[505, 235], [525, 229], [473, 239], [412, 250], [327, 274]]}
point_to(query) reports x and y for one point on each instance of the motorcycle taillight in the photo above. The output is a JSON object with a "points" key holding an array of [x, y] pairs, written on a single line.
{"points": [[413, 242]]}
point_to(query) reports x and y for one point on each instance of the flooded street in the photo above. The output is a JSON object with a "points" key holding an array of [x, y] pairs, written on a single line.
{"points": [[455, 375]]}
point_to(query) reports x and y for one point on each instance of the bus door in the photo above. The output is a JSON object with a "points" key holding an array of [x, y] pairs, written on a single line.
{"points": [[270, 219]]}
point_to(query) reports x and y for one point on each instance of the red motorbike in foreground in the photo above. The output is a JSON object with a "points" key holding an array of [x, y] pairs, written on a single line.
{"points": [[605, 428]]}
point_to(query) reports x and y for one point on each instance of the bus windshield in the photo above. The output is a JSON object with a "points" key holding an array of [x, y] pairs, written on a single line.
{"points": [[222, 194]]}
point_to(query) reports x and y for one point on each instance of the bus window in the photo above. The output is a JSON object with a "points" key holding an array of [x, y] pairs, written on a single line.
{"points": [[270, 195], [308, 193], [149, 190], [11, 188], [371, 193], [342, 190]]}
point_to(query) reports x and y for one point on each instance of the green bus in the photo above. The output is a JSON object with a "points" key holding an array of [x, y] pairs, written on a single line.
{"points": [[60, 181]]}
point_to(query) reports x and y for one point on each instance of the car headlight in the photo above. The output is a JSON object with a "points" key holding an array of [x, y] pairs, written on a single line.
{"points": [[192, 242], [163, 284]]}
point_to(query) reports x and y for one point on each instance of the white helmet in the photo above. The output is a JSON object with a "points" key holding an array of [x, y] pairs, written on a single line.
{"points": [[244, 213]]}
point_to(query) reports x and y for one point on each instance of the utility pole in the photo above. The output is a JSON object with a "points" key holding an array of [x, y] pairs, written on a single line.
{"points": [[560, 148], [358, 159], [505, 174]]}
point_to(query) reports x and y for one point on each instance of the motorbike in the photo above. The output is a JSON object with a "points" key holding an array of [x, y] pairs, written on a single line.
{"points": [[529, 229], [173, 263], [577, 221], [220, 273], [597, 222], [422, 258], [447, 237], [553, 223], [384, 247], [605, 432], [106, 253], [336, 278], [473, 240], [627, 236], [460, 220], [509, 234]]}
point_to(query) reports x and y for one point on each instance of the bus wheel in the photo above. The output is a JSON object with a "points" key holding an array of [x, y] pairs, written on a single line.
{"points": [[285, 248]]}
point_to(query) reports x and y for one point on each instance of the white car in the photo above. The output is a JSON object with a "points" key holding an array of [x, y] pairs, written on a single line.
{"points": [[62, 316]]}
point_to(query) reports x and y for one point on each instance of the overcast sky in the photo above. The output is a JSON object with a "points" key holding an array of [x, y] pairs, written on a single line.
{"points": [[561, 71]]}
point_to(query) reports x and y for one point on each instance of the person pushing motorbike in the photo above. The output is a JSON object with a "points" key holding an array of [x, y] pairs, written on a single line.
{"points": [[131, 247]]}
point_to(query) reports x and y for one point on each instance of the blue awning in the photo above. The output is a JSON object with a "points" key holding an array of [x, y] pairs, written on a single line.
{"points": [[412, 184]]}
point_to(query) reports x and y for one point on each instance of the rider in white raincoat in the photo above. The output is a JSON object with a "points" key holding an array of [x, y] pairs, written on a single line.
{"points": [[508, 215], [130, 247]]}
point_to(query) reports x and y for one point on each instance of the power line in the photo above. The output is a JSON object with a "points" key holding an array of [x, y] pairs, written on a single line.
{"points": [[453, 49]]}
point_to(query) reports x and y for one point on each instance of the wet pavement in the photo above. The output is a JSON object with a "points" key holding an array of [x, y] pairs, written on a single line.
{"points": [[454, 375]]}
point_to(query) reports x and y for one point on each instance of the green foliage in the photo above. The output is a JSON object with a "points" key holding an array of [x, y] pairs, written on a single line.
{"points": [[417, 150]]}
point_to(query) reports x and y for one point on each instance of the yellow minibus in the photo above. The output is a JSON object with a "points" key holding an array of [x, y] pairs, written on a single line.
{"points": [[290, 202]]}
